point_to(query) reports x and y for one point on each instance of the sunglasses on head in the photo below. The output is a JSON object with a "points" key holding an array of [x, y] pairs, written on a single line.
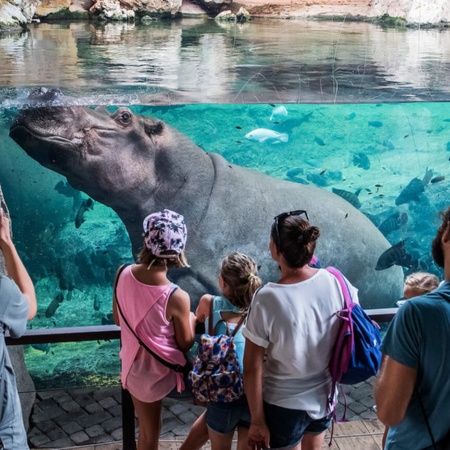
{"points": [[278, 219]]}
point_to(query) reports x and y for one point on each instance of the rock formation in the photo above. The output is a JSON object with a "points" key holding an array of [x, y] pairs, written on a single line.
{"points": [[415, 12], [16, 14]]}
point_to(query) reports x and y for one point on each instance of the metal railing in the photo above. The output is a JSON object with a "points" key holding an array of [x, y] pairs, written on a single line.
{"points": [[105, 332]]}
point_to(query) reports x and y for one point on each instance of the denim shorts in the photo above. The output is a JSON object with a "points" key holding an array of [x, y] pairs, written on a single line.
{"points": [[287, 426], [223, 418]]}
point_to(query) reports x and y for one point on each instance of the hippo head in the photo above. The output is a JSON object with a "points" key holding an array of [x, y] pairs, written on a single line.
{"points": [[96, 150], [131, 163]]}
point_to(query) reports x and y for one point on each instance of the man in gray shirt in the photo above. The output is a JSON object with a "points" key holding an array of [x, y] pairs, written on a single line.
{"points": [[17, 305]]}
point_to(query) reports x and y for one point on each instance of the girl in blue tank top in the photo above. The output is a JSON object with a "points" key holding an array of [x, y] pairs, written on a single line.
{"points": [[238, 280]]}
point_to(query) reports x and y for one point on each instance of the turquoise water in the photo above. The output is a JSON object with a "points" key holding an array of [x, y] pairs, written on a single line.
{"points": [[376, 149], [348, 123]]}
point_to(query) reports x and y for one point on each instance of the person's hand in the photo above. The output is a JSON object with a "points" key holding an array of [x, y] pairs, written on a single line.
{"points": [[5, 229], [258, 436]]}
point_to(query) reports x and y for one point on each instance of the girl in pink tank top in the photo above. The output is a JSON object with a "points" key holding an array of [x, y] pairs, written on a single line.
{"points": [[146, 304]]}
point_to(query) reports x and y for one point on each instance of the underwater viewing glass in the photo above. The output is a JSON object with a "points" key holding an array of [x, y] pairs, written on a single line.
{"points": [[352, 109], [282, 216]]}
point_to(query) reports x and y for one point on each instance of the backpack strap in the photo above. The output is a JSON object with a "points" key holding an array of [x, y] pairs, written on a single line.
{"points": [[347, 301], [175, 367], [344, 288]]}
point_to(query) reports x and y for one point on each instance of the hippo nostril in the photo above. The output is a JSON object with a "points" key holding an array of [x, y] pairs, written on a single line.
{"points": [[43, 95]]}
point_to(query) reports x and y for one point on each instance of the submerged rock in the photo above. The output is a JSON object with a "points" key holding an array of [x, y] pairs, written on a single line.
{"points": [[243, 15], [226, 16]]}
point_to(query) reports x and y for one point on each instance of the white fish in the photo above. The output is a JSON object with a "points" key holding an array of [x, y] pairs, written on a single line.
{"points": [[278, 112], [263, 135]]}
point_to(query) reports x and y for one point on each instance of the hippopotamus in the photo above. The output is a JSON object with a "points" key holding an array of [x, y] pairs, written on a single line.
{"points": [[138, 165]]}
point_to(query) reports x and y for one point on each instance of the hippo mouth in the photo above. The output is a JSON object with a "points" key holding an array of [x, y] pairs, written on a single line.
{"points": [[48, 149]]}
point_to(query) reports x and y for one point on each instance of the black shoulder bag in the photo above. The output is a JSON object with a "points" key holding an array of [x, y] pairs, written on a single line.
{"points": [[175, 367]]}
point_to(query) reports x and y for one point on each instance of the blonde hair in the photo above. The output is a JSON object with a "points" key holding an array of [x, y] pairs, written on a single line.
{"points": [[422, 281], [240, 273], [147, 258]]}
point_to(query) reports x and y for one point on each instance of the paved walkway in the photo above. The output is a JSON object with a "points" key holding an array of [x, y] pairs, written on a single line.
{"points": [[89, 417]]}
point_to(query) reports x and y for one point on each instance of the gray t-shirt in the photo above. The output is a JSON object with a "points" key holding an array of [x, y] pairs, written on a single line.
{"points": [[14, 309]]}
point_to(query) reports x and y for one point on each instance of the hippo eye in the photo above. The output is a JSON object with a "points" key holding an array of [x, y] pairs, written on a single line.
{"points": [[125, 116]]}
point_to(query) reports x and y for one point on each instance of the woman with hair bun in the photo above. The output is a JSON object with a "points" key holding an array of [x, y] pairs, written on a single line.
{"points": [[290, 332]]}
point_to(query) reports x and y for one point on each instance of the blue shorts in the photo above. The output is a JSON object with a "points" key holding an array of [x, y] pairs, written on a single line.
{"points": [[223, 418], [287, 426]]}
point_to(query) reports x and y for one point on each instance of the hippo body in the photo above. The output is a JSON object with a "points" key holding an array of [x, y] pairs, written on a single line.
{"points": [[138, 165]]}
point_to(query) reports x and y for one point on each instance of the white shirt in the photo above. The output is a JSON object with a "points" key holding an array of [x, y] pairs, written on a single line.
{"points": [[297, 325]]}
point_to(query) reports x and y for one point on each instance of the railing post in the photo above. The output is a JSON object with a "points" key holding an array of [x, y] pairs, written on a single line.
{"points": [[128, 436]]}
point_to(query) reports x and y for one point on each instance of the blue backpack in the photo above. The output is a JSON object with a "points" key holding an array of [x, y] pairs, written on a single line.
{"points": [[356, 354]]}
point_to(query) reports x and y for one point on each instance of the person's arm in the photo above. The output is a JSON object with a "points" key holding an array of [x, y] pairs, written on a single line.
{"points": [[179, 312], [115, 310], [258, 434], [14, 265], [393, 391], [204, 308]]}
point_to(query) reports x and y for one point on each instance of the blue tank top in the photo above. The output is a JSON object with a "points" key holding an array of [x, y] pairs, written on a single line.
{"points": [[222, 304]]}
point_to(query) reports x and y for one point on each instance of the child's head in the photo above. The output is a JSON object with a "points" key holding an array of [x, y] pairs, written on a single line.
{"points": [[419, 283], [164, 240], [240, 279]]}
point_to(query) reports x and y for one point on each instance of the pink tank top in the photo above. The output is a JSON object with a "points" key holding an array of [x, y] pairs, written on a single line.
{"points": [[144, 306]]}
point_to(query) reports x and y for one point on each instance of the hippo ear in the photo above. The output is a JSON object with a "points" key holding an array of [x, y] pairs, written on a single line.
{"points": [[152, 128]]}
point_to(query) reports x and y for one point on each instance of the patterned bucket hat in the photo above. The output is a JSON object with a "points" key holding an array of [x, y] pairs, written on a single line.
{"points": [[165, 233]]}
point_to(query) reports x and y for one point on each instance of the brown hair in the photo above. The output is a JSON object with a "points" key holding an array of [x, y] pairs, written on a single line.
{"points": [[422, 282], [298, 239], [147, 258], [436, 246], [240, 274]]}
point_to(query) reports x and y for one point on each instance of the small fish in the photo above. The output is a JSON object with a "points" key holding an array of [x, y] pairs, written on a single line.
{"points": [[323, 171], [66, 189], [350, 116], [437, 179], [294, 172], [238, 127], [388, 145], [54, 305], [361, 160], [395, 256], [350, 197], [346, 215], [96, 304], [393, 222], [378, 185], [45, 348], [85, 206], [427, 177], [319, 141], [405, 136], [108, 319], [411, 192], [375, 123], [278, 113], [264, 135]]}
